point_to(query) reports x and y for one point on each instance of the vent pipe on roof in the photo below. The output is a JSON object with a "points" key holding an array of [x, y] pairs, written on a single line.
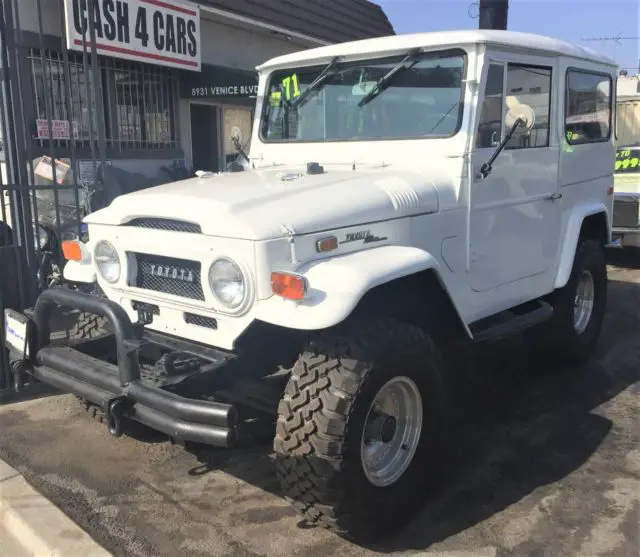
{"points": [[493, 14]]}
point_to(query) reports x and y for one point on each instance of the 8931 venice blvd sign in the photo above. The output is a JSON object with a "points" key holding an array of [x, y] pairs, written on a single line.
{"points": [[163, 32], [214, 82]]}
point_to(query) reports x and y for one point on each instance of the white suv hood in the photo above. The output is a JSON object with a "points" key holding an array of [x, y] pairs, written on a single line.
{"points": [[255, 204]]}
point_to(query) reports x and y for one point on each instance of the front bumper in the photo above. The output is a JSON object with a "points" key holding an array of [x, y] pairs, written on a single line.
{"points": [[118, 387]]}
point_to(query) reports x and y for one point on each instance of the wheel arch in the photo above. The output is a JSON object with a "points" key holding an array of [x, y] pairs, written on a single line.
{"points": [[420, 298], [590, 221], [363, 283]]}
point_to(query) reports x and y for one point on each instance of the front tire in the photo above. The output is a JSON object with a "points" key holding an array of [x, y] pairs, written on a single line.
{"points": [[571, 335], [88, 326], [358, 427]]}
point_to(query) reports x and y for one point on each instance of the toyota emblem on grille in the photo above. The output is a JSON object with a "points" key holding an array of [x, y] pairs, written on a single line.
{"points": [[171, 272]]}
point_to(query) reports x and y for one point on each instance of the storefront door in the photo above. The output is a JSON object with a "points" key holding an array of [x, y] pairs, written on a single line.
{"points": [[205, 148]]}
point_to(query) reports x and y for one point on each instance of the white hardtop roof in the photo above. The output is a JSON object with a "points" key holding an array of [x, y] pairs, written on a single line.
{"points": [[445, 39]]}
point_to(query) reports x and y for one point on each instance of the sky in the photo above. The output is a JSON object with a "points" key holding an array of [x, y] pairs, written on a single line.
{"points": [[570, 20]]}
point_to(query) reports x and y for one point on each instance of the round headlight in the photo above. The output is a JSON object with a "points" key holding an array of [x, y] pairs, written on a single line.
{"points": [[107, 261], [227, 283]]}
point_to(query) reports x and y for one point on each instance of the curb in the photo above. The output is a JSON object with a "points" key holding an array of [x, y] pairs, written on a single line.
{"points": [[37, 525]]}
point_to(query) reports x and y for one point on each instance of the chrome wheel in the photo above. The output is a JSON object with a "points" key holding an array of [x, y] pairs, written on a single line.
{"points": [[391, 432], [583, 302]]}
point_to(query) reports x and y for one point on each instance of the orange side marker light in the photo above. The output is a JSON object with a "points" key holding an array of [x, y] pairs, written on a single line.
{"points": [[327, 244]]}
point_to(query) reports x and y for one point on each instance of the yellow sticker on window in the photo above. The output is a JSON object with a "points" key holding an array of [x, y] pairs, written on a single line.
{"points": [[291, 87], [275, 98]]}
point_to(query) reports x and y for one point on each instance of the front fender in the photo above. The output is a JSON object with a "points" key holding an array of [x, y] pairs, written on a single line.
{"points": [[76, 271], [336, 285], [571, 236]]}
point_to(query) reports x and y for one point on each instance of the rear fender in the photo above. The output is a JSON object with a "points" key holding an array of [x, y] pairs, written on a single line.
{"points": [[337, 285], [571, 237]]}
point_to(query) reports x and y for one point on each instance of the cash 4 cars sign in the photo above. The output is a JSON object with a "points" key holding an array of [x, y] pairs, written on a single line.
{"points": [[163, 32]]}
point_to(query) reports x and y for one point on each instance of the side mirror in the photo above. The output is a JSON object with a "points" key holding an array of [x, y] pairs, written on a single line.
{"points": [[235, 139], [519, 120], [522, 114]]}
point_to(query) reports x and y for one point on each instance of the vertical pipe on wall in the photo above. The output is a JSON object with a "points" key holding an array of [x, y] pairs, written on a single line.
{"points": [[494, 14]]}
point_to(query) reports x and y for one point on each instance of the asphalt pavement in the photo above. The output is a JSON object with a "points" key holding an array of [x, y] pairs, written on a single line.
{"points": [[543, 463]]}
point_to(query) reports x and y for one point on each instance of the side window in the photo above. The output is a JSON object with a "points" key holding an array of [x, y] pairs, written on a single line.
{"points": [[530, 85], [490, 127], [588, 107]]}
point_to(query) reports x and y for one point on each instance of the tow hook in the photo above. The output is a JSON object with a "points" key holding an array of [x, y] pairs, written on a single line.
{"points": [[116, 411]]}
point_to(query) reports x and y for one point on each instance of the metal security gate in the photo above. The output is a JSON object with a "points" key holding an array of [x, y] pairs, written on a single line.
{"points": [[50, 102]]}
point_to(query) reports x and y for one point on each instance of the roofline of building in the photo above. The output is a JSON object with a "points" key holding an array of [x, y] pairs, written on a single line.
{"points": [[257, 23]]}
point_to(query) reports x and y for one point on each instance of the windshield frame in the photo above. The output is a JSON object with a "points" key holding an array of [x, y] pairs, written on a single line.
{"points": [[388, 59]]}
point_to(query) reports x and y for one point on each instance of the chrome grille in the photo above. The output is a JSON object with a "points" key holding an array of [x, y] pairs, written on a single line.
{"points": [[200, 320], [166, 224], [179, 277], [625, 213]]}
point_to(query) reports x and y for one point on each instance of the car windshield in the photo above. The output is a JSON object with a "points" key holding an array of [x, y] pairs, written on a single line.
{"points": [[421, 98]]}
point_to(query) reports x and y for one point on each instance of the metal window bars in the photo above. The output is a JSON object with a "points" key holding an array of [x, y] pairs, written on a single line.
{"points": [[57, 108]]}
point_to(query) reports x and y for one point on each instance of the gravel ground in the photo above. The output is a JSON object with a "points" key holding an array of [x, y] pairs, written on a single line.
{"points": [[543, 464]]}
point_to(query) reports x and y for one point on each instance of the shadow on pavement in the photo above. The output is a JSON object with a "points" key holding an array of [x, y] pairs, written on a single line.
{"points": [[627, 257], [518, 428]]}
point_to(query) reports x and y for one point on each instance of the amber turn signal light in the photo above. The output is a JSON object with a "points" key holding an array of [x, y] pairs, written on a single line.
{"points": [[72, 250], [327, 244], [291, 287]]}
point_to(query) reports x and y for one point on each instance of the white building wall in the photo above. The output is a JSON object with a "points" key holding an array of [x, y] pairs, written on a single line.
{"points": [[239, 48]]}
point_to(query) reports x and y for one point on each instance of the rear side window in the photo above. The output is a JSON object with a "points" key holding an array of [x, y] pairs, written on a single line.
{"points": [[587, 107]]}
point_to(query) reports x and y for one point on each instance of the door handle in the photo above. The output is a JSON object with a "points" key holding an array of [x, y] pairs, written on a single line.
{"points": [[554, 197]]}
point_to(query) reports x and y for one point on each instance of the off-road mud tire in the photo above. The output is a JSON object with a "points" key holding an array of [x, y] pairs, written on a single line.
{"points": [[321, 417], [88, 326], [556, 340]]}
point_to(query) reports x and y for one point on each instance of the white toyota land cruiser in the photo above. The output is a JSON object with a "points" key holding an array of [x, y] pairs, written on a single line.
{"points": [[400, 194]]}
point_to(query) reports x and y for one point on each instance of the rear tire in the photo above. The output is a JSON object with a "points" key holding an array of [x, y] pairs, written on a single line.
{"points": [[329, 432], [571, 335]]}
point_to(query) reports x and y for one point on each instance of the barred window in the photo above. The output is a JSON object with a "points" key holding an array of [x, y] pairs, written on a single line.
{"points": [[145, 105], [51, 100], [140, 101]]}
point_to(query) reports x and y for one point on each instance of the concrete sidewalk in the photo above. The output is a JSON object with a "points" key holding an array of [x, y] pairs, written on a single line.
{"points": [[32, 526]]}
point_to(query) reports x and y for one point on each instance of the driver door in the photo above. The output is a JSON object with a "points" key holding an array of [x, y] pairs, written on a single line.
{"points": [[515, 215]]}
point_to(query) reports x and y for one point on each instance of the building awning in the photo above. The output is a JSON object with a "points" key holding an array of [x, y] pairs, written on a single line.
{"points": [[333, 21], [218, 82]]}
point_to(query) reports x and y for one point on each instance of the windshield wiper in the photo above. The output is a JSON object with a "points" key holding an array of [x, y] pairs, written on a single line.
{"points": [[384, 81], [315, 84]]}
